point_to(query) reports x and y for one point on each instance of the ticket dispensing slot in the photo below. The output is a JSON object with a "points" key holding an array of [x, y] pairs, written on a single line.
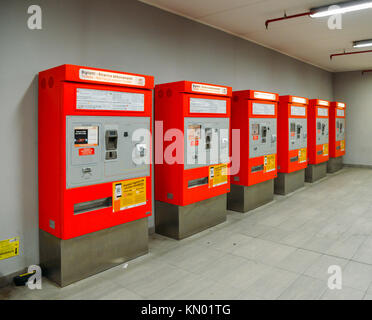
{"points": [[197, 182], [111, 141], [92, 205]]}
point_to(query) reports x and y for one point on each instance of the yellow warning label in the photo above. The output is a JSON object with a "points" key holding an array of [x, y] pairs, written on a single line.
{"points": [[217, 175], [128, 194], [269, 163], [9, 248], [342, 145], [302, 155], [325, 149]]}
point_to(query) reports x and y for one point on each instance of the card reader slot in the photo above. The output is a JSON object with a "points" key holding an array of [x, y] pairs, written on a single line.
{"points": [[257, 168], [92, 205], [197, 182]]}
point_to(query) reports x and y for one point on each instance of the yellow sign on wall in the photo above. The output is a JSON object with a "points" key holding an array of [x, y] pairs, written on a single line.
{"points": [[325, 149], [269, 163], [217, 175], [302, 155], [128, 194], [9, 248]]}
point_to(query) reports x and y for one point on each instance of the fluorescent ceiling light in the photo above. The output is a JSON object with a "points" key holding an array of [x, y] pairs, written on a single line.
{"points": [[362, 43], [340, 8]]}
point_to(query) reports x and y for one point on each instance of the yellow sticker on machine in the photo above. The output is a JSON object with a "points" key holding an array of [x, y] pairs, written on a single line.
{"points": [[217, 175], [342, 145], [269, 163], [9, 248], [302, 155], [128, 194], [325, 149]]}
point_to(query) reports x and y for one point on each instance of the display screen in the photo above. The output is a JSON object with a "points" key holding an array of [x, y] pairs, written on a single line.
{"points": [[86, 136]]}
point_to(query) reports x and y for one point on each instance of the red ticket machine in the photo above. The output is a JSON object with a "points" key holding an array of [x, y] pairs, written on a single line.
{"points": [[192, 138], [254, 113], [94, 169], [318, 140], [337, 125], [292, 144]]}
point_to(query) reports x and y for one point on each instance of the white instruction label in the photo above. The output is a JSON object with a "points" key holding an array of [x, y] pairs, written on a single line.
{"points": [[196, 87], [298, 100], [323, 103], [207, 106], [264, 95], [263, 109], [323, 112], [112, 77], [298, 111], [340, 113], [91, 99]]}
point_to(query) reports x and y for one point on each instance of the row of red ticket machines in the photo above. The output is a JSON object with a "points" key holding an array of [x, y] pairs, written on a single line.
{"points": [[214, 150]]}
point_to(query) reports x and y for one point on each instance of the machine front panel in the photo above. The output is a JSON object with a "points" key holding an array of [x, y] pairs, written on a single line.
{"points": [[206, 141], [105, 149], [340, 129], [322, 131], [262, 137], [297, 133]]}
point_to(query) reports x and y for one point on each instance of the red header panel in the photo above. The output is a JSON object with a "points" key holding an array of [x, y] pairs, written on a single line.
{"points": [[294, 99], [319, 102], [196, 88], [257, 95], [80, 74]]}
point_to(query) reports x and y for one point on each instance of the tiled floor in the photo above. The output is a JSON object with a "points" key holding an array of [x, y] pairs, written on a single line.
{"points": [[279, 251]]}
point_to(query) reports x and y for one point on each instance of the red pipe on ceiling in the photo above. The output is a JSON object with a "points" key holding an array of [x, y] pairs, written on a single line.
{"points": [[286, 18], [349, 53], [365, 71]]}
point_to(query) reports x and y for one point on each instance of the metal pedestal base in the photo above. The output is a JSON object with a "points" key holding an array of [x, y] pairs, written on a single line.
{"points": [[243, 199], [179, 222], [68, 261], [335, 164], [315, 172], [288, 182]]}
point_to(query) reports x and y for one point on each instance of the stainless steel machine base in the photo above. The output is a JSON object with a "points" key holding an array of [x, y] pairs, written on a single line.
{"points": [[335, 164], [315, 172], [243, 199], [288, 182], [179, 222], [68, 261]]}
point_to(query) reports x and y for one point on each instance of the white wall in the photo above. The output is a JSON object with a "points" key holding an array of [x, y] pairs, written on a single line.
{"points": [[119, 35], [355, 90]]}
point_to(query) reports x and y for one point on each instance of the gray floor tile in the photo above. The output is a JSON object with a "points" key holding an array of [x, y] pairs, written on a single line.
{"points": [[319, 269], [299, 261], [272, 284], [343, 294], [304, 288], [357, 275]]}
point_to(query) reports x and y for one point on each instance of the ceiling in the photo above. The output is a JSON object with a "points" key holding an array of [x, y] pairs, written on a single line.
{"points": [[309, 40]]}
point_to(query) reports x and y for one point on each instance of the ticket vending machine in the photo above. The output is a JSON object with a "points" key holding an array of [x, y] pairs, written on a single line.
{"points": [[337, 126], [318, 140], [94, 169], [192, 139], [254, 113], [292, 144]]}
